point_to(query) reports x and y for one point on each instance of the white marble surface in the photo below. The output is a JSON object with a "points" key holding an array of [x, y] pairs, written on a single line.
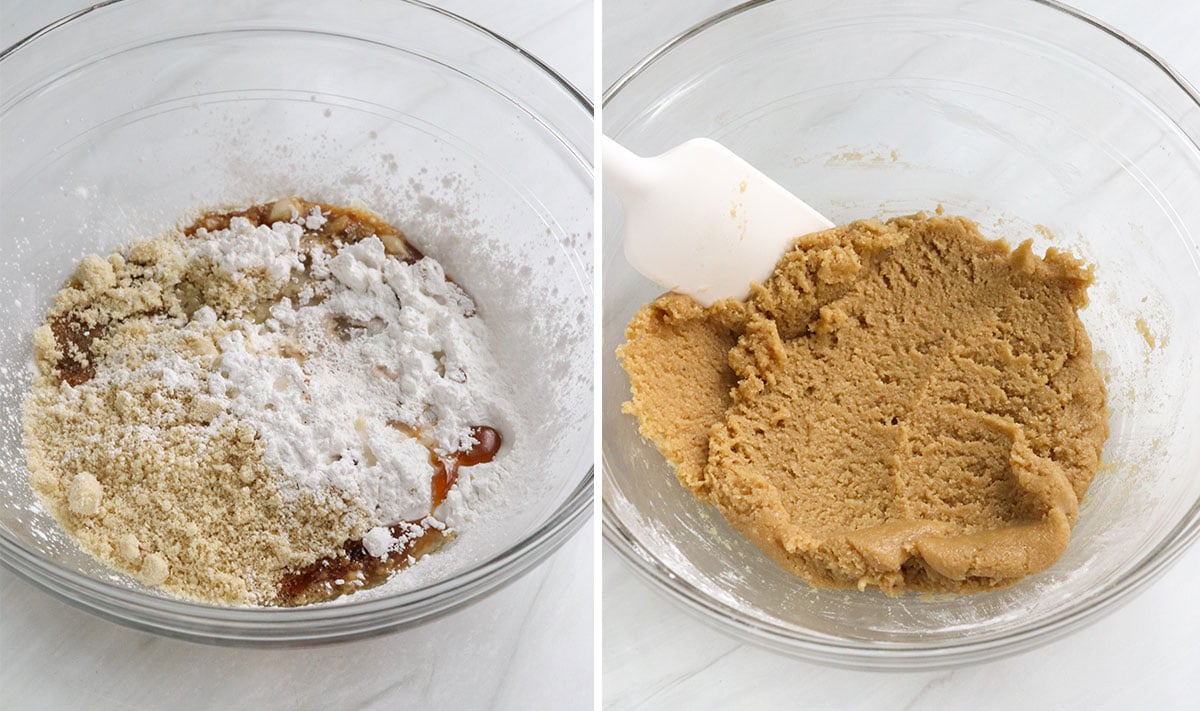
{"points": [[527, 646], [1143, 656]]}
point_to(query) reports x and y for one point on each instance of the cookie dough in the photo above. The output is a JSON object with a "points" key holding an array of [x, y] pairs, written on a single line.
{"points": [[903, 405]]}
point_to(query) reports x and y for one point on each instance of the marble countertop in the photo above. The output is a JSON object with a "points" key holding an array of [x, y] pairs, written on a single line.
{"points": [[526, 646], [1143, 656]]}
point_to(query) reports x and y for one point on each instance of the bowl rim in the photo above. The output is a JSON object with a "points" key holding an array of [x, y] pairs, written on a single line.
{"points": [[860, 654], [578, 95], [346, 618], [656, 54]]}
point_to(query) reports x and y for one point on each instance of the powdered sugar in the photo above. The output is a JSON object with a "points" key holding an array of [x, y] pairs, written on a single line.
{"points": [[379, 541], [329, 385], [245, 248], [315, 220]]}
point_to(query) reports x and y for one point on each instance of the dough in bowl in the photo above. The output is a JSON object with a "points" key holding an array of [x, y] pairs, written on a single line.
{"points": [[902, 405]]}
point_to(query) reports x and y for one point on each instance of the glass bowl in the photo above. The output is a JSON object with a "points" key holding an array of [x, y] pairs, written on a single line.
{"points": [[117, 121], [1031, 119]]}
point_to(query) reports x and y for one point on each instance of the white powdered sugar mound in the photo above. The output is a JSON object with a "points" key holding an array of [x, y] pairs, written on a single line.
{"points": [[334, 387], [244, 248]]}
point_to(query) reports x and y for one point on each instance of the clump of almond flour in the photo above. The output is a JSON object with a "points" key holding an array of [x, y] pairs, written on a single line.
{"points": [[267, 407]]}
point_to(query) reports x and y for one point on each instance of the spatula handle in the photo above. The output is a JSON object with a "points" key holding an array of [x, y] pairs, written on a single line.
{"points": [[624, 171]]}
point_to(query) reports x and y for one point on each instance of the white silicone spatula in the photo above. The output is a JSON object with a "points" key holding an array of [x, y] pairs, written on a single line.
{"points": [[701, 221]]}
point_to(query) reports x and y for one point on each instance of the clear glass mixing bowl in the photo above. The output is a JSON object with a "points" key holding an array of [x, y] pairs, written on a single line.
{"points": [[1023, 115], [117, 121]]}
